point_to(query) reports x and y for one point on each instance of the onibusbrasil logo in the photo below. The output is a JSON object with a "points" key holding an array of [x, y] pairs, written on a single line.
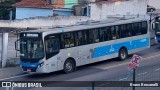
{"points": [[20, 84]]}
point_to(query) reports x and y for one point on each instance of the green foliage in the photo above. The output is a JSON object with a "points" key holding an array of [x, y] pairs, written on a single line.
{"points": [[8, 1], [4, 13], [5, 10]]}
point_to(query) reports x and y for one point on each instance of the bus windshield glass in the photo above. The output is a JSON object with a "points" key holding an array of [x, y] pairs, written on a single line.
{"points": [[31, 48]]}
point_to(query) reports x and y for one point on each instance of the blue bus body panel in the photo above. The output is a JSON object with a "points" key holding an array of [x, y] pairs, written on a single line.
{"points": [[114, 48], [158, 38], [32, 65]]}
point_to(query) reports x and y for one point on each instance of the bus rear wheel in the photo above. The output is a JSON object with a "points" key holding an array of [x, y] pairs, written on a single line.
{"points": [[123, 54], [69, 66]]}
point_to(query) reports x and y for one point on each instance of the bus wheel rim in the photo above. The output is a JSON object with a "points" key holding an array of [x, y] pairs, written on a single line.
{"points": [[68, 66], [123, 54]]}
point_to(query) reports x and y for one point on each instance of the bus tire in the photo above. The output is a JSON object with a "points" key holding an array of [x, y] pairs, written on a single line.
{"points": [[123, 54], [69, 66]]}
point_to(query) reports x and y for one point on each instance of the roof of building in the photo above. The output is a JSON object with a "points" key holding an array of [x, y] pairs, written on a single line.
{"points": [[107, 1], [34, 4]]}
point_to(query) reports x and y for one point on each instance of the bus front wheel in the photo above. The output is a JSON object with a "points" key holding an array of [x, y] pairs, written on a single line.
{"points": [[123, 54], [69, 66]]}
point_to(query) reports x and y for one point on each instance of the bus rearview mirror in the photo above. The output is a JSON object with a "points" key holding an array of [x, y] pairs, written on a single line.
{"points": [[17, 45]]}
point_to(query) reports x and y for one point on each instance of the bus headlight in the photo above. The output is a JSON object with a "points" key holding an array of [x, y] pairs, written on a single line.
{"points": [[155, 38], [41, 64]]}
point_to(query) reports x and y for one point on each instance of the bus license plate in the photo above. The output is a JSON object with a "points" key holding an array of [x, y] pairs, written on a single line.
{"points": [[29, 70]]}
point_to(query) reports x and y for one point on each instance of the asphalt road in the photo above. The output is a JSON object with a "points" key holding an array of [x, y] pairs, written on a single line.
{"points": [[110, 70]]}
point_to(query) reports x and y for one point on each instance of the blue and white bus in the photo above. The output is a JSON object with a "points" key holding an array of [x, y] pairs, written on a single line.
{"points": [[49, 50]]}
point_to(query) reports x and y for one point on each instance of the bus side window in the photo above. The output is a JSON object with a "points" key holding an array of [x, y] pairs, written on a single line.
{"points": [[139, 28], [52, 46], [67, 43], [117, 32], [82, 37], [68, 40], [136, 29], [94, 35], [144, 28], [122, 31], [113, 33], [128, 30], [103, 34], [76, 40], [91, 37]]}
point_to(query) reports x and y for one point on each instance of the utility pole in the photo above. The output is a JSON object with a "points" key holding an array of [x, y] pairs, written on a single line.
{"points": [[134, 77], [4, 48]]}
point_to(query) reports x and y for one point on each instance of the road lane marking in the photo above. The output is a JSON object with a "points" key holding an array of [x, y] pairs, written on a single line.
{"points": [[142, 73], [102, 84], [143, 59], [13, 77], [157, 69], [123, 79]]}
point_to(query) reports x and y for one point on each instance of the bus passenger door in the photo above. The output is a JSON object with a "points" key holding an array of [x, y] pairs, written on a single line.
{"points": [[52, 48]]}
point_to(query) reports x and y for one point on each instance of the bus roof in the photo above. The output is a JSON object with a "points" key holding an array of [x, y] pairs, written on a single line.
{"points": [[87, 25]]}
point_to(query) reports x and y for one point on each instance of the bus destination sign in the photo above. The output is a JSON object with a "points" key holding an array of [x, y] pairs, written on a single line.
{"points": [[29, 35]]}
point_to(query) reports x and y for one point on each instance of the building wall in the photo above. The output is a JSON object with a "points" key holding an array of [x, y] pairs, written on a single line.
{"points": [[65, 3], [43, 21], [22, 13], [70, 3], [63, 12], [59, 3], [133, 7], [154, 3]]}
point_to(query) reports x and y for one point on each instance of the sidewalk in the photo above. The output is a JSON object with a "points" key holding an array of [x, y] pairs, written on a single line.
{"points": [[9, 72], [12, 68]]}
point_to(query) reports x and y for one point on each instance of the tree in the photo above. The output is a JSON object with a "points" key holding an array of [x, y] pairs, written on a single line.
{"points": [[5, 7]]}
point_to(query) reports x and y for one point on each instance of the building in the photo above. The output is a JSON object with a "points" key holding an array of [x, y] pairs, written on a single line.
{"points": [[154, 3], [34, 8], [110, 8]]}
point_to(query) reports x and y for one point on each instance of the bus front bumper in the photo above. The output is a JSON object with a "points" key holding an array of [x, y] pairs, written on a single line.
{"points": [[33, 67]]}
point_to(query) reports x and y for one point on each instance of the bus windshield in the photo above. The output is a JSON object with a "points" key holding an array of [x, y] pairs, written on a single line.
{"points": [[31, 48]]}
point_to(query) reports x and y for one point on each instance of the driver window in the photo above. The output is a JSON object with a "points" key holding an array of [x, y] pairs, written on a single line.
{"points": [[52, 45]]}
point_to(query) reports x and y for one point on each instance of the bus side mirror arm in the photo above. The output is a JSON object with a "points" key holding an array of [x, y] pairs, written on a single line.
{"points": [[17, 45]]}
